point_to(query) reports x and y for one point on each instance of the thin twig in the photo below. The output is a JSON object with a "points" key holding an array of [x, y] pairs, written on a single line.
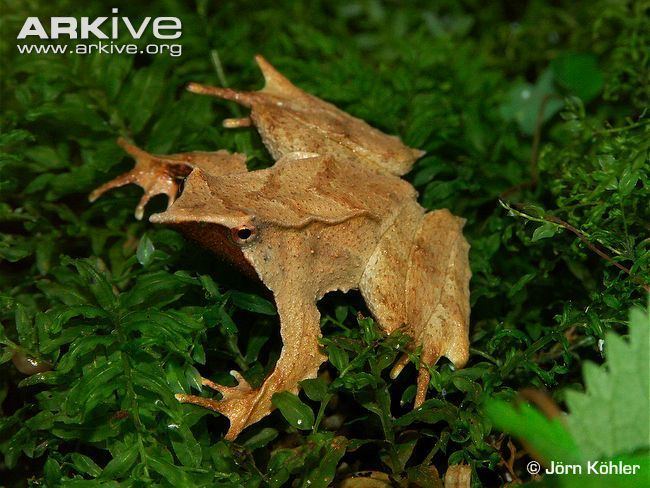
{"points": [[218, 67], [580, 235], [583, 238], [221, 75]]}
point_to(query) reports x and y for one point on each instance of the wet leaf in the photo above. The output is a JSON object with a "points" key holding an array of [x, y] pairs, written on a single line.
{"points": [[294, 410]]}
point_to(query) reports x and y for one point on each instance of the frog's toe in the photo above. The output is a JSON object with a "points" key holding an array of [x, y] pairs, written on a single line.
{"points": [[242, 97], [155, 175], [229, 391], [123, 179], [237, 123], [197, 400], [160, 185], [422, 386]]}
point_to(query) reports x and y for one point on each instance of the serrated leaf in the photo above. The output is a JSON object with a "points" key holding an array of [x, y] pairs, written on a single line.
{"points": [[604, 420]]}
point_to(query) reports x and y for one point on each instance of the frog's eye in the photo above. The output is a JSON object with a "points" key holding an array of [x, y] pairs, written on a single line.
{"points": [[242, 234]]}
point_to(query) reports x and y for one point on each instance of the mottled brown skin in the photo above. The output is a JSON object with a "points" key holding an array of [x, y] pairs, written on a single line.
{"points": [[330, 214]]}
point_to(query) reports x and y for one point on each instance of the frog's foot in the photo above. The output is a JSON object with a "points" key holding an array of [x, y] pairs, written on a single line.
{"points": [[240, 403], [245, 405], [154, 174], [456, 350]]}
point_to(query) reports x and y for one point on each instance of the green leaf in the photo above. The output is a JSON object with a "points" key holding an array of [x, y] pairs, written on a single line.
{"points": [[628, 180], [315, 389], [96, 386], [323, 475], [52, 471], [121, 463], [525, 101], [341, 313], [252, 303], [548, 438], [141, 95], [226, 321], [521, 283], [338, 357], [210, 286], [85, 465], [294, 410], [579, 73], [173, 474], [544, 231], [155, 289], [261, 438], [145, 251], [25, 328], [97, 282], [186, 447], [603, 420]]}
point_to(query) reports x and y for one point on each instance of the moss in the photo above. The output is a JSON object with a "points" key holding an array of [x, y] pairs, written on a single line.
{"points": [[540, 106]]}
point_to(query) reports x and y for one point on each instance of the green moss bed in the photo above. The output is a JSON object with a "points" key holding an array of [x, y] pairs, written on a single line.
{"points": [[534, 118]]}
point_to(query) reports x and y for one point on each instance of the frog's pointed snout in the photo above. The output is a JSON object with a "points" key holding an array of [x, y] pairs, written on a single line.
{"points": [[200, 203]]}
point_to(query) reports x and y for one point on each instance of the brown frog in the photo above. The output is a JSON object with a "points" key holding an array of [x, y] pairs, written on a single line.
{"points": [[331, 214]]}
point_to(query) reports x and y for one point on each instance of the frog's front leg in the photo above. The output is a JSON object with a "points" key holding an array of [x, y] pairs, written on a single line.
{"points": [[299, 360], [161, 174]]}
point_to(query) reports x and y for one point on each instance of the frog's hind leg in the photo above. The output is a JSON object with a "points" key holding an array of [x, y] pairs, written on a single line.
{"points": [[162, 174], [418, 282], [289, 120]]}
